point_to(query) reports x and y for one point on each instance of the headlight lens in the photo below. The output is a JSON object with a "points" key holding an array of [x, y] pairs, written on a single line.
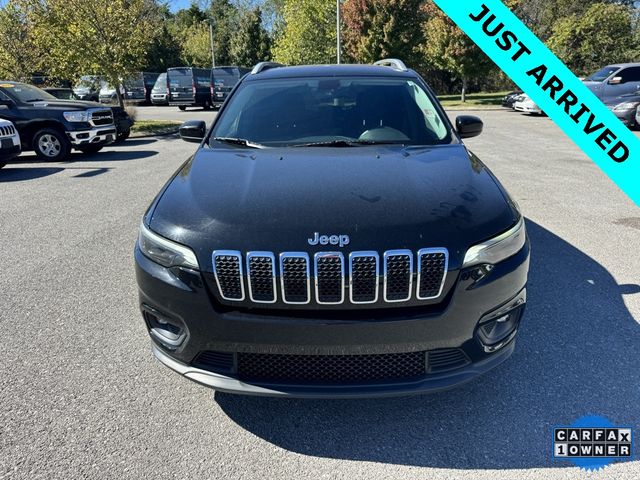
{"points": [[165, 252], [626, 106], [499, 248], [79, 116]]}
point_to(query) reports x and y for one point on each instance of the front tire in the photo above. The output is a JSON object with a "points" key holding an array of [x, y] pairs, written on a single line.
{"points": [[122, 136], [2, 164], [182, 108], [51, 145], [90, 148]]}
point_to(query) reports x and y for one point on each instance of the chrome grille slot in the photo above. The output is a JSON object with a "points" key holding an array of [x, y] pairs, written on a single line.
{"points": [[432, 270], [329, 274], [363, 277], [261, 277], [294, 277], [398, 275], [227, 268], [8, 130]]}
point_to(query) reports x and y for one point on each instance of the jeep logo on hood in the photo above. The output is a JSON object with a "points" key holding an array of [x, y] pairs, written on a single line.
{"points": [[341, 240]]}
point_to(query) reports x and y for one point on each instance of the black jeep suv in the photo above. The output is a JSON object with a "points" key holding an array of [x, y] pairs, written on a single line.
{"points": [[332, 237], [52, 127]]}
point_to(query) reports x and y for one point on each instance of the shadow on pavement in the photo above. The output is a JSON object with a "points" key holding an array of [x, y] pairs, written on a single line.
{"points": [[9, 174], [577, 354]]}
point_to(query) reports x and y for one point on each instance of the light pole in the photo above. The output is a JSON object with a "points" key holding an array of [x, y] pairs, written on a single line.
{"points": [[338, 47], [213, 56]]}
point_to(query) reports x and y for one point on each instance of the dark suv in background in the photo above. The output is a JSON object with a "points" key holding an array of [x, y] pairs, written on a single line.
{"points": [[332, 237], [223, 79], [189, 87]]}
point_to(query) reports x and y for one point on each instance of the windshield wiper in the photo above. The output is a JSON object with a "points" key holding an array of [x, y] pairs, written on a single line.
{"points": [[238, 141], [347, 143]]}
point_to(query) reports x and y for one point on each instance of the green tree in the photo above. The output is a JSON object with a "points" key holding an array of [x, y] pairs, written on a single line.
{"points": [[448, 48], [106, 37], [164, 52], [19, 56], [603, 34], [376, 29], [250, 43], [196, 45], [224, 16], [309, 35]]}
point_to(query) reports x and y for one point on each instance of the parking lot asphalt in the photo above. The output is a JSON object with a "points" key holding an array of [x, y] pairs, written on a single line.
{"points": [[82, 396]]}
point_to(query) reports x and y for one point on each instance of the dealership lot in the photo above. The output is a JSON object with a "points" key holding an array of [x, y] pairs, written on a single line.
{"points": [[83, 397]]}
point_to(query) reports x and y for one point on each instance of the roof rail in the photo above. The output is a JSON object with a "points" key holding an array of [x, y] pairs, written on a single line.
{"points": [[262, 66], [393, 63]]}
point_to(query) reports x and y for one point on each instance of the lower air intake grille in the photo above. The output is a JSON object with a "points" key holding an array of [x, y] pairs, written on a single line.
{"points": [[215, 361], [447, 359], [331, 369]]}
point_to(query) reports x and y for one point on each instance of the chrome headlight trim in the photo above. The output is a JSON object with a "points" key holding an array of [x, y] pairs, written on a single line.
{"points": [[498, 248], [165, 252]]}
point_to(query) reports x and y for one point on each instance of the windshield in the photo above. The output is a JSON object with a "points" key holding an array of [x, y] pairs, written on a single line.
{"points": [[603, 74], [26, 93], [290, 112], [161, 83], [180, 77]]}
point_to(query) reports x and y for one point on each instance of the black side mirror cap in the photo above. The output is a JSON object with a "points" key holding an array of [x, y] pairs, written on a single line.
{"points": [[193, 131], [468, 126]]}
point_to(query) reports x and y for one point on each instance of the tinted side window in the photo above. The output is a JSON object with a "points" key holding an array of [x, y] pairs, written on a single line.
{"points": [[631, 74]]}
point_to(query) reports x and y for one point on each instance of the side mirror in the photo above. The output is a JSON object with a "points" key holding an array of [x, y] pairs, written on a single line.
{"points": [[193, 131], [615, 81], [468, 126]]}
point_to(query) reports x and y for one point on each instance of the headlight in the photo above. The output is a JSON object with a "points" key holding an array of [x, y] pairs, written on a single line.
{"points": [[80, 116], [498, 248], [626, 106], [165, 252]]}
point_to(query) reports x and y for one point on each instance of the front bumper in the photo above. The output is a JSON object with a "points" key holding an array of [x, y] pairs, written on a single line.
{"points": [[7, 154], [627, 117], [159, 99], [182, 297], [527, 108], [94, 136]]}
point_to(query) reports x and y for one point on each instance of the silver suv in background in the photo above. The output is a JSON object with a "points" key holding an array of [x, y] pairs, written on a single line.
{"points": [[614, 80], [160, 91]]}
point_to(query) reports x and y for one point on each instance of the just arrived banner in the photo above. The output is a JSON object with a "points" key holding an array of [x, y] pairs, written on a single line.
{"points": [[551, 85]]}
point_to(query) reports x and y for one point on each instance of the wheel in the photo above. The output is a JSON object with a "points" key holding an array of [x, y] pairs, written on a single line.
{"points": [[50, 144], [182, 107], [207, 105], [2, 164], [122, 136], [90, 148]]}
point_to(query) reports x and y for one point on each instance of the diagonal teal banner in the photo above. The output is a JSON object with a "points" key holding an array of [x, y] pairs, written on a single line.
{"points": [[562, 96]]}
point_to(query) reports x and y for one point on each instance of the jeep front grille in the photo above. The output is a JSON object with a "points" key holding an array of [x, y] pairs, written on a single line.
{"points": [[289, 276], [8, 130]]}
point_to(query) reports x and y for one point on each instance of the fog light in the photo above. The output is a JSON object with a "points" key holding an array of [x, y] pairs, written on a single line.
{"points": [[494, 331], [499, 327], [165, 330]]}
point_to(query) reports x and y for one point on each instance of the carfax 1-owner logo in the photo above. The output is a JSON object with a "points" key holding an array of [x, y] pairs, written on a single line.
{"points": [[592, 443]]}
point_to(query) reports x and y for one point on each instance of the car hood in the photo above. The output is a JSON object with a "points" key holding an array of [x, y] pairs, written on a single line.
{"points": [[67, 105], [382, 197]]}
